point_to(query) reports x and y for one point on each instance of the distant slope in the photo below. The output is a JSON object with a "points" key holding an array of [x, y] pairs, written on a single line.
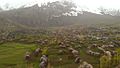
{"points": [[34, 18], [8, 24]]}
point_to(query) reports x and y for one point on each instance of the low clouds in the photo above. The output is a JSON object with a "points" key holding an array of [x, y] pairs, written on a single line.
{"points": [[93, 4], [90, 4]]}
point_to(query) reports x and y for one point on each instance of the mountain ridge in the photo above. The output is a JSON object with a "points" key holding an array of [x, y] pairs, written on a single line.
{"points": [[46, 16]]}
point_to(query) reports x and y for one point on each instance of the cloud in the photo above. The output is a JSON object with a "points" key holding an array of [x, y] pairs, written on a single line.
{"points": [[92, 4]]}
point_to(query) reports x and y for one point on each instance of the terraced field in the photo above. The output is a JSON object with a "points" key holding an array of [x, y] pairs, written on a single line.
{"points": [[12, 56]]}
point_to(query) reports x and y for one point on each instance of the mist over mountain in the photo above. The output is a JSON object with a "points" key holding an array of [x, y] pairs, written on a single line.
{"points": [[54, 14]]}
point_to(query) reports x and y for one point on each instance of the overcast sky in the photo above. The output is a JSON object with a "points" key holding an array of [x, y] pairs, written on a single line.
{"points": [[92, 4]]}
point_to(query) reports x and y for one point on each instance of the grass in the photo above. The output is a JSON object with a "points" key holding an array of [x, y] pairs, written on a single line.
{"points": [[12, 54]]}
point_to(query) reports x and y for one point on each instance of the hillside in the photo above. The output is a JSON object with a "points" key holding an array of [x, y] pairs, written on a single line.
{"points": [[44, 17]]}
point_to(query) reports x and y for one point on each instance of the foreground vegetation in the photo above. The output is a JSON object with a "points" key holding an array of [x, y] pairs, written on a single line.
{"points": [[12, 54], [86, 40]]}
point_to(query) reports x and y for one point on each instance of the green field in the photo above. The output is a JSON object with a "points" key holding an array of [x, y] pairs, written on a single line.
{"points": [[12, 54]]}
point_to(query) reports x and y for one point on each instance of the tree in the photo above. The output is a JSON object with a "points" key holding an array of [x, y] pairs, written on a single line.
{"points": [[104, 62], [114, 12], [115, 59], [102, 10]]}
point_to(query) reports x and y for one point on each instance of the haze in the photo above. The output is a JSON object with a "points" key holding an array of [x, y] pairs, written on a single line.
{"points": [[89, 4]]}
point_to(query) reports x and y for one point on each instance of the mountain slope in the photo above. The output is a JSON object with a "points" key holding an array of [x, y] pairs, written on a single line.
{"points": [[51, 15]]}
